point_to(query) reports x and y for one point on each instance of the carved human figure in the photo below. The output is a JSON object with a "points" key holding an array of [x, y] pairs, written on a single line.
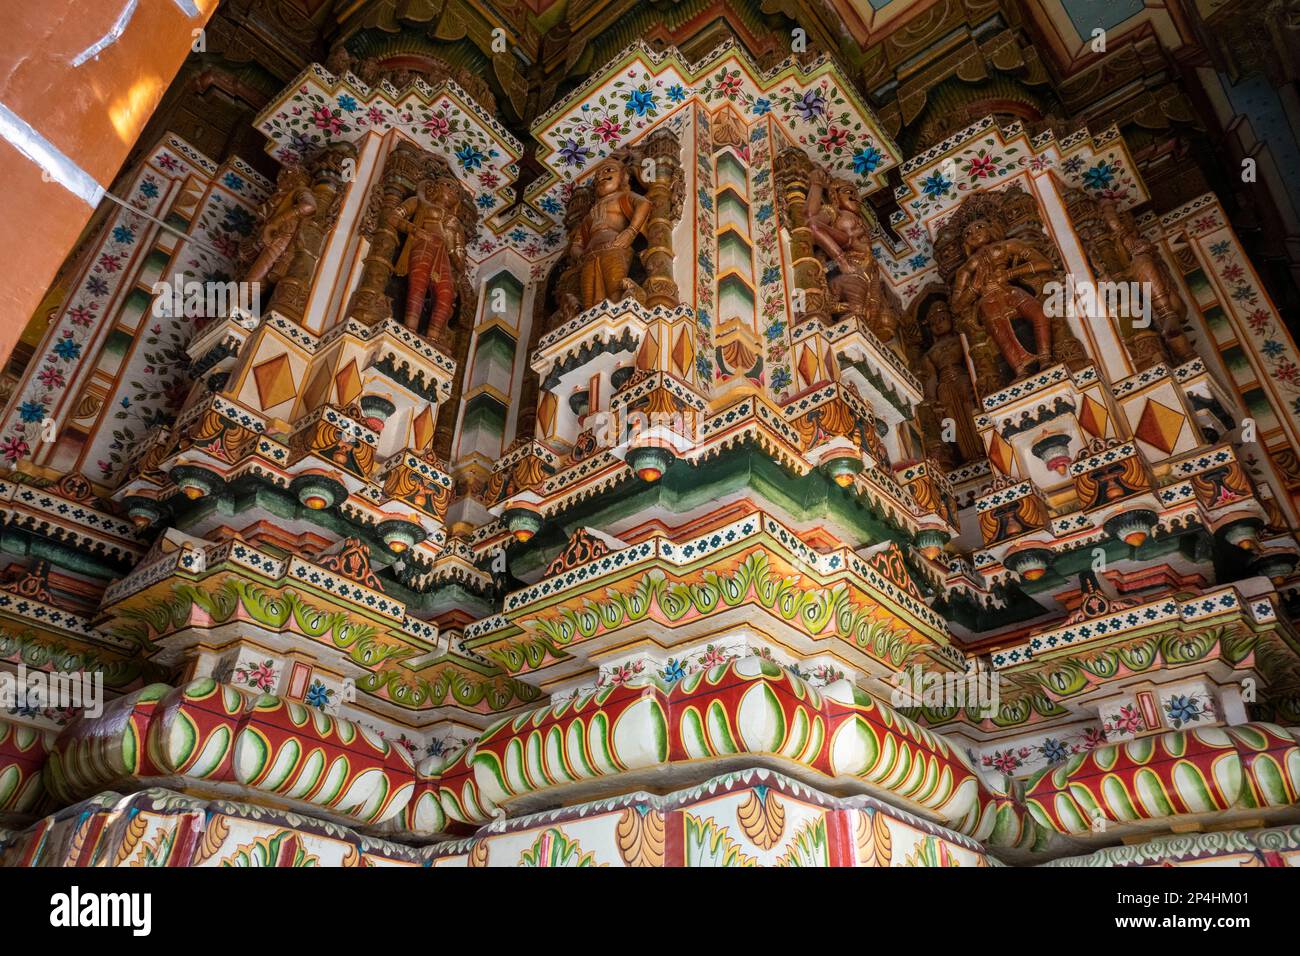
{"points": [[842, 231], [278, 231], [602, 243], [1148, 267], [948, 386], [434, 247], [985, 286]]}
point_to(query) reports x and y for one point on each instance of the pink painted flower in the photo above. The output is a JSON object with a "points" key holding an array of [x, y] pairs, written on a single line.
{"points": [[375, 115], [13, 448], [81, 315], [981, 167], [608, 130], [834, 138], [437, 127], [729, 85], [325, 119], [50, 377], [110, 263]]}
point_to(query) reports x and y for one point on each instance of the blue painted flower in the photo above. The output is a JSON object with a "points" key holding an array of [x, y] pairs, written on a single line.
{"points": [[550, 204], [67, 349], [1182, 709], [1053, 750], [704, 367], [347, 103], [673, 671], [811, 105], [96, 285], [233, 182], [149, 188], [1273, 348], [676, 93], [318, 695], [470, 156], [641, 102], [774, 331], [518, 235], [762, 106], [935, 184], [1100, 176], [764, 212], [32, 411], [124, 235], [574, 153], [917, 261], [706, 200], [485, 201], [866, 160], [771, 274], [781, 379], [1220, 248]]}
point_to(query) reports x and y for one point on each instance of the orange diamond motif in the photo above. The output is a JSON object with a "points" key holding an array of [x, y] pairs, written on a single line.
{"points": [[314, 396], [683, 353], [1093, 417], [1001, 455], [274, 379], [808, 365], [422, 429], [1159, 426], [649, 354], [348, 383]]}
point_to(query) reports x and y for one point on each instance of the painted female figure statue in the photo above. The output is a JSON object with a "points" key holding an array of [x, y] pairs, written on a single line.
{"points": [[602, 243], [985, 284], [435, 245], [843, 232]]}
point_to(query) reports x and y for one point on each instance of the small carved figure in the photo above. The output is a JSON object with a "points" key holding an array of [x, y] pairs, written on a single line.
{"points": [[602, 243], [434, 252], [1148, 267], [948, 387], [843, 232], [985, 285], [284, 213]]}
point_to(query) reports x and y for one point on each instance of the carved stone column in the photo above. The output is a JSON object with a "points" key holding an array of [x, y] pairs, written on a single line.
{"points": [[665, 192]]}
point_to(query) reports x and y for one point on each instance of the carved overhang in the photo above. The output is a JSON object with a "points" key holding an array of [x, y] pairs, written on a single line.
{"points": [[865, 611], [609, 327], [334, 609], [226, 444], [69, 516]]}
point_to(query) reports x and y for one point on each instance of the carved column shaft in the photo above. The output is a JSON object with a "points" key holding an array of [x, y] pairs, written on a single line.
{"points": [[793, 174], [665, 151]]}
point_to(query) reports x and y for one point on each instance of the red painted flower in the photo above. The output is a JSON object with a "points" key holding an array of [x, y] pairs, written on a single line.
{"points": [[608, 130], [981, 167], [437, 127], [834, 138], [325, 119]]}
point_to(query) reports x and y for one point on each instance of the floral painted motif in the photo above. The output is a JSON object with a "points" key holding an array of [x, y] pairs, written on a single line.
{"points": [[1184, 709], [261, 676]]}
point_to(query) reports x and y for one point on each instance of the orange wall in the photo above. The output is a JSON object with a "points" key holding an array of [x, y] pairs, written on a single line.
{"points": [[91, 113]]}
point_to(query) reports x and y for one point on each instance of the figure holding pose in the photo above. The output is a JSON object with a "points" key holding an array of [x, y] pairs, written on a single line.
{"points": [[602, 243], [282, 224], [843, 232], [985, 284], [435, 244]]}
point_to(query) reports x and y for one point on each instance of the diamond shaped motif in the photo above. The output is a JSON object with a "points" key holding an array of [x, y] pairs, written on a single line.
{"points": [[348, 383], [1159, 426], [683, 353], [1093, 417], [274, 379], [1001, 455]]}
